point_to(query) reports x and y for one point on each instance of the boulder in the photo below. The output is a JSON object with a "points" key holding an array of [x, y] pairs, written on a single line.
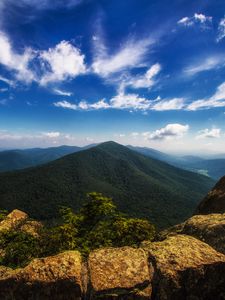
{"points": [[186, 268], [13, 220], [119, 273], [207, 228], [56, 277]]}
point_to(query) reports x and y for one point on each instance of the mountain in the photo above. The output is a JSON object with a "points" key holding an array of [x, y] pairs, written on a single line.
{"points": [[214, 202], [21, 159], [212, 167], [141, 186]]}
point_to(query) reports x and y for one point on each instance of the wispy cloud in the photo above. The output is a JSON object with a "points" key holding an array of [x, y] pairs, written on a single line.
{"points": [[14, 61], [216, 100], [209, 133], [62, 92], [122, 101], [130, 55], [221, 30], [170, 131], [209, 63], [205, 22]]}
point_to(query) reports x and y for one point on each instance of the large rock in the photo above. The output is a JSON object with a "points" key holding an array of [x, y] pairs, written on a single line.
{"points": [[119, 273], [207, 228], [186, 269], [56, 277], [214, 202], [13, 220]]}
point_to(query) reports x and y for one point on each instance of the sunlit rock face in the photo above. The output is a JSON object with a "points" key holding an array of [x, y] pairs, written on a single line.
{"points": [[180, 266], [186, 268]]}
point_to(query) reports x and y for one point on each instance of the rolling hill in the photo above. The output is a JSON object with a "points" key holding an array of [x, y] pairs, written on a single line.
{"points": [[212, 167], [141, 186], [20, 159]]}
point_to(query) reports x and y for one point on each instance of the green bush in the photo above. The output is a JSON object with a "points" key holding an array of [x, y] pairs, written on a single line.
{"points": [[97, 224]]}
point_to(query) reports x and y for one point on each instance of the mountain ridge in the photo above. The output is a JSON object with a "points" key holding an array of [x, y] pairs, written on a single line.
{"points": [[140, 186]]}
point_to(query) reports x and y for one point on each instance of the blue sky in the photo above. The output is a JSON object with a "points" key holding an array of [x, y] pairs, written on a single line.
{"points": [[147, 73]]}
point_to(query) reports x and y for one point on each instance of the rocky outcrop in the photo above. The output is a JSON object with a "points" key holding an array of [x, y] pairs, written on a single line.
{"points": [[57, 277], [19, 220], [207, 228], [214, 202], [13, 220], [181, 266], [122, 272], [186, 268], [178, 268]]}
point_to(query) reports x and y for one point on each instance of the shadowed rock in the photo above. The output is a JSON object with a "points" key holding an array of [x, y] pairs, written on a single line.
{"points": [[214, 202], [119, 273], [186, 268]]}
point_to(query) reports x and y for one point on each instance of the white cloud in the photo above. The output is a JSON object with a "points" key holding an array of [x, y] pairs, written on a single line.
{"points": [[130, 55], [130, 101], [65, 61], [126, 102], [209, 63], [221, 30], [7, 81], [51, 134], [217, 100], [170, 104], [202, 20], [170, 131], [142, 81], [207, 133], [62, 93], [14, 61], [65, 104]]}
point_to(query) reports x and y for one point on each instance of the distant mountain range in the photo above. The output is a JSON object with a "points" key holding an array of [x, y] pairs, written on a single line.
{"points": [[213, 167], [141, 186], [20, 159]]}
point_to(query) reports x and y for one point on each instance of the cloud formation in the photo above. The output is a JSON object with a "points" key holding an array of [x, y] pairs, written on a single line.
{"points": [[170, 131], [221, 30], [217, 100], [209, 63], [131, 54], [14, 61], [205, 22], [209, 133], [62, 62]]}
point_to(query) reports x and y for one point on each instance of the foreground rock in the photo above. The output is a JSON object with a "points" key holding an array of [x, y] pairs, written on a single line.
{"points": [[55, 277], [186, 268], [13, 220], [214, 202], [207, 228], [120, 273]]}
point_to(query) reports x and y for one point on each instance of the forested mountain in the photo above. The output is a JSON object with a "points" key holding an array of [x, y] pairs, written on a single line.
{"points": [[212, 167], [21, 159], [140, 186]]}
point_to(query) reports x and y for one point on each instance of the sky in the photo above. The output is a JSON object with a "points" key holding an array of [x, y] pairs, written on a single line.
{"points": [[148, 73]]}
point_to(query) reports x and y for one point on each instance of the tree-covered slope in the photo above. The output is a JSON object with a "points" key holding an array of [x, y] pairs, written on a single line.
{"points": [[20, 159], [140, 186]]}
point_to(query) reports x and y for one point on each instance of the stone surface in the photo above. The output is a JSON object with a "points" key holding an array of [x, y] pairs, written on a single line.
{"points": [[119, 273], [186, 268], [32, 227], [13, 220], [207, 228], [56, 277], [214, 202]]}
